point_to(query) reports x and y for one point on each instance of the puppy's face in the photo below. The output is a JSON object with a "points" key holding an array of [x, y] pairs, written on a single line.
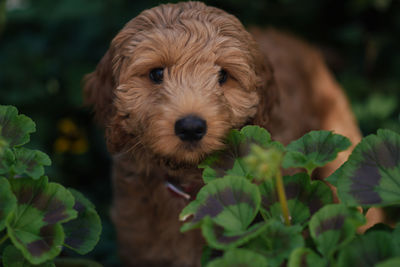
{"points": [[184, 76]]}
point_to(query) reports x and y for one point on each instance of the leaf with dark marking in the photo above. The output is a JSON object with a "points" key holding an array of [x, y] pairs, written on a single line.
{"points": [[368, 250], [219, 238], [371, 176], [232, 202], [304, 198], [230, 161], [333, 226], [7, 160], [12, 257], [35, 224], [8, 202], [14, 128], [314, 149], [240, 258], [82, 233], [276, 242], [305, 257], [30, 162]]}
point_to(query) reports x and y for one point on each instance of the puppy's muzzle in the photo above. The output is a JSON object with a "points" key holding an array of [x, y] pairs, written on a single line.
{"points": [[190, 128]]}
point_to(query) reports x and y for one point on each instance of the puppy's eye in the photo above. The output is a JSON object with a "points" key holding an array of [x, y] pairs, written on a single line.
{"points": [[223, 76], [157, 75]]}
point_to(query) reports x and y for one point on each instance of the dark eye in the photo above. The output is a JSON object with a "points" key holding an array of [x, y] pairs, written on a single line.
{"points": [[223, 76], [157, 75]]}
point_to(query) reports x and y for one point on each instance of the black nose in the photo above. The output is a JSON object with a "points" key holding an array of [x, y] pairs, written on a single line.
{"points": [[190, 128]]}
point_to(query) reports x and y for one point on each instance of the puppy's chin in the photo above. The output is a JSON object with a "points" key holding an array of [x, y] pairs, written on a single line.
{"points": [[189, 161]]}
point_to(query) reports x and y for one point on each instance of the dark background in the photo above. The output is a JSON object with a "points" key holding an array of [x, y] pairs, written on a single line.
{"points": [[47, 46]]}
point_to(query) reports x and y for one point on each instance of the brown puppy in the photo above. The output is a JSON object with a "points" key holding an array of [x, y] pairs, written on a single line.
{"points": [[174, 81]]}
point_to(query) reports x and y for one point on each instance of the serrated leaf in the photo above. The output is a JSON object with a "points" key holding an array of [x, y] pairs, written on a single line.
{"points": [[14, 128], [8, 201], [305, 257], [314, 149], [277, 241], [230, 161], [239, 258], [231, 202], [303, 198], [218, 238], [35, 225], [12, 257], [333, 226], [367, 250], [82, 233], [30, 162], [371, 175]]}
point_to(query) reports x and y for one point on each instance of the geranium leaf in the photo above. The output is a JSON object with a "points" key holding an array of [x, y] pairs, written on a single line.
{"points": [[8, 201], [305, 257], [239, 258], [230, 161], [333, 226], [219, 238], [82, 233], [12, 257], [314, 149], [14, 128], [231, 202], [7, 160], [304, 198], [30, 162], [371, 176], [368, 250], [276, 242], [35, 224]]}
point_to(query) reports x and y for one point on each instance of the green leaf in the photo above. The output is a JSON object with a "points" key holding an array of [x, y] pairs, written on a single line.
{"points": [[12, 257], [371, 175], [304, 198], [230, 161], [35, 225], [82, 233], [8, 201], [219, 238], [231, 202], [314, 149], [7, 160], [367, 250], [239, 258], [277, 242], [305, 257], [14, 128], [333, 226], [30, 162]]}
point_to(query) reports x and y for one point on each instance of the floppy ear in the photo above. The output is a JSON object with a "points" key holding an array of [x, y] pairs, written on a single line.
{"points": [[268, 92], [99, 89]]}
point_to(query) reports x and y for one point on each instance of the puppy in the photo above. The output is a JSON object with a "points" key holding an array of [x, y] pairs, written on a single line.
{"points": [[173, 83]]}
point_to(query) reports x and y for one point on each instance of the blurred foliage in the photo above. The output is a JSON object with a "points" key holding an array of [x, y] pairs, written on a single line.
{"points": [[46, 47]]}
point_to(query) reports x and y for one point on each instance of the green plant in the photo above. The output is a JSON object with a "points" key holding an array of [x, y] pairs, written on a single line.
{"points": [[37, 217], [256, 217]]}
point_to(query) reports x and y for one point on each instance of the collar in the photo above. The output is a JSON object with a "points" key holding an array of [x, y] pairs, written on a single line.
{"points": [[186, 192]]}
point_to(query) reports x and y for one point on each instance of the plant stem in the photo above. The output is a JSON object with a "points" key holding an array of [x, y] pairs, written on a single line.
{"points": [[3, 239], [282, 197]]}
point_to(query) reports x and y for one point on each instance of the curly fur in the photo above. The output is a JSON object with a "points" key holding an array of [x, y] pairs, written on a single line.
{"points": [[274, 81]]}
